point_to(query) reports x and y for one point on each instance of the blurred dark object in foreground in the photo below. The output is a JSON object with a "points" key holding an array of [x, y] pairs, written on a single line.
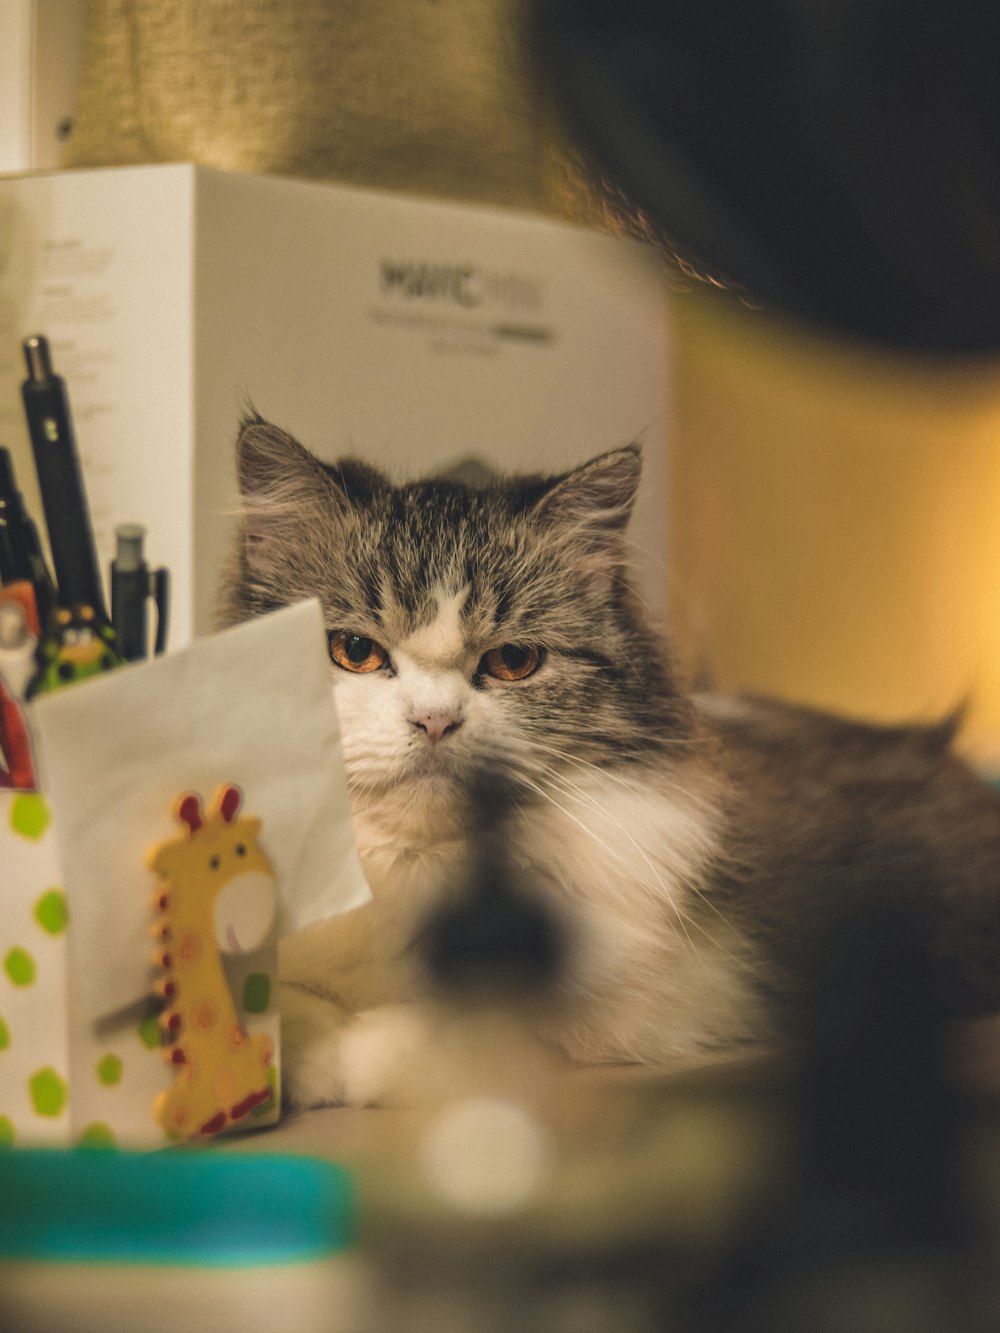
{"points": [[880, 1223], [494, 938], [838, 162], [849, 1187]]}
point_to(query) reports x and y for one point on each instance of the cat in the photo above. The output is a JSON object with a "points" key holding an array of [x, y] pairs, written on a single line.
{"points": [[694, 846]]}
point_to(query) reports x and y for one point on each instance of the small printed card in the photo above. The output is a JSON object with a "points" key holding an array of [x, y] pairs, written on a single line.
{"points": [[192, 809]]}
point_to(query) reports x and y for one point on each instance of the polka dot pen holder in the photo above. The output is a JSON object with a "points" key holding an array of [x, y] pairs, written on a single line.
{"points": [[192, 809]]}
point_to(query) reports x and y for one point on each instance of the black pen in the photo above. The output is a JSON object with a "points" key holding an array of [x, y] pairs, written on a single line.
{"points": [[11, 566], [46, 405], [133, 584], [21, 557]]}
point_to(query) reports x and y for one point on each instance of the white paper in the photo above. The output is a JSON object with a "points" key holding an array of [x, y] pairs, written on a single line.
{"points": [[252, 706]]}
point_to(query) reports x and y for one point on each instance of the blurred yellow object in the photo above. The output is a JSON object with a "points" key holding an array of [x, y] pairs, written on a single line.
{"points": [[836, 520]]}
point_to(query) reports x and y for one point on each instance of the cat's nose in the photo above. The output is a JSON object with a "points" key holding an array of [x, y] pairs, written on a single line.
{"points": [[436, 726]]}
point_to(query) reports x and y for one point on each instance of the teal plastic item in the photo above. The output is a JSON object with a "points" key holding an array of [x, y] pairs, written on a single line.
{"points": [[198, 1208]]}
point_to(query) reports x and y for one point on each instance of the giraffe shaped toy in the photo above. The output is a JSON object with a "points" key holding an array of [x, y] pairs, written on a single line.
{"points": [[218, 896]]}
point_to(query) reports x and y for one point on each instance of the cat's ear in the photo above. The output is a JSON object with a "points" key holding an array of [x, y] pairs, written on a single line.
{"points": [[596, 498], [357, 482], [283, 487], [272, 468]]}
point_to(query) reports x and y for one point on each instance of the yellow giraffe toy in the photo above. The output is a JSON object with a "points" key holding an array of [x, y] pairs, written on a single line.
{"points": [[219, 896]]}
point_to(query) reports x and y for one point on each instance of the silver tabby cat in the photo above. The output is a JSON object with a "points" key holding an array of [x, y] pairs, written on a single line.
{"points": [[695, 846]]}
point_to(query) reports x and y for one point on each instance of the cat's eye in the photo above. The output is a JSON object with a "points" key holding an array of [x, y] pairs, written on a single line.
{"points": [[355, 652], [511, 661]]}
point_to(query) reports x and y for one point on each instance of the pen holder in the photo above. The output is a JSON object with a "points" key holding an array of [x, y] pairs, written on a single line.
{"points": [[191, 810]]}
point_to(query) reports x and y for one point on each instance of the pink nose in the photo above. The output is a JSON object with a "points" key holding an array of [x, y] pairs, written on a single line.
{"points": [[436, 726]]}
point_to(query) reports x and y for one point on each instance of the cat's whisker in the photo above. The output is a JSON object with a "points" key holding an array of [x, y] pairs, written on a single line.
{"points": [[580, 761], [626, 783], [664, 895], [660, 880], [682, 920], [690, 885], [626, 582]]}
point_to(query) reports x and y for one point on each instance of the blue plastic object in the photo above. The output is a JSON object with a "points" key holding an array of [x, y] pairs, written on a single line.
{"points": [[198, 1208]]}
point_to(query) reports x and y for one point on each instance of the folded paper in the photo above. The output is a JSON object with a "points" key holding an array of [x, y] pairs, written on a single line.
{"points": [[250, 705]]}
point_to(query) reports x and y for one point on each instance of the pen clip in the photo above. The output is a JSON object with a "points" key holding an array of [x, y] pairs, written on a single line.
{"points": [[159, 592]]}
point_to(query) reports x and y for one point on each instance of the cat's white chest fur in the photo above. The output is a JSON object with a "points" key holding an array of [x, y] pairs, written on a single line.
{"points": [[616, 859], [652, 975]]}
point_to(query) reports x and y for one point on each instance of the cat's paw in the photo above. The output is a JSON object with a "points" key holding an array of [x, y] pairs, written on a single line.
{"points": [[332, 1058], [384, 1054], [311, 1033]]}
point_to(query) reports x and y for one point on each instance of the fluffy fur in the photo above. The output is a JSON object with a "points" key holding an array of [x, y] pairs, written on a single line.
{"points": [[694, 847]]}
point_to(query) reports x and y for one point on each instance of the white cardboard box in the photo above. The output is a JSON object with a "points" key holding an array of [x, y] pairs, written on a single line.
{"points": [[408, 332]]}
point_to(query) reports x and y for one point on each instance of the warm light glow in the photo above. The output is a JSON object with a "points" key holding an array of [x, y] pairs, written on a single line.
{"points": [[836, 522], [485, 1156]]}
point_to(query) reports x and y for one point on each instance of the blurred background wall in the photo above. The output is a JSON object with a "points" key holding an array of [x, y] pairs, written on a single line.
{"points": [[836, 519]]}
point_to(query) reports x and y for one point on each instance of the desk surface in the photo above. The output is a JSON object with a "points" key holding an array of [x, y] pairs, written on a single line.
{"points": [[650, 1171]]}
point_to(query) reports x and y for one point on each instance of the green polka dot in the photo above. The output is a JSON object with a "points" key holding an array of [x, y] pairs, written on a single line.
{"points": [[272, 1079], [50, 911], [6, 1131], [4, 1035], [29, 815], [149, 1032], [48, 1092], [20, 967], [109, 1070], [97, 1135], [256, 992]]}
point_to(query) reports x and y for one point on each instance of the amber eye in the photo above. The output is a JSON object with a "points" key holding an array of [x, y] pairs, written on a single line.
{"points": [[354, 652], [511, 661]]}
